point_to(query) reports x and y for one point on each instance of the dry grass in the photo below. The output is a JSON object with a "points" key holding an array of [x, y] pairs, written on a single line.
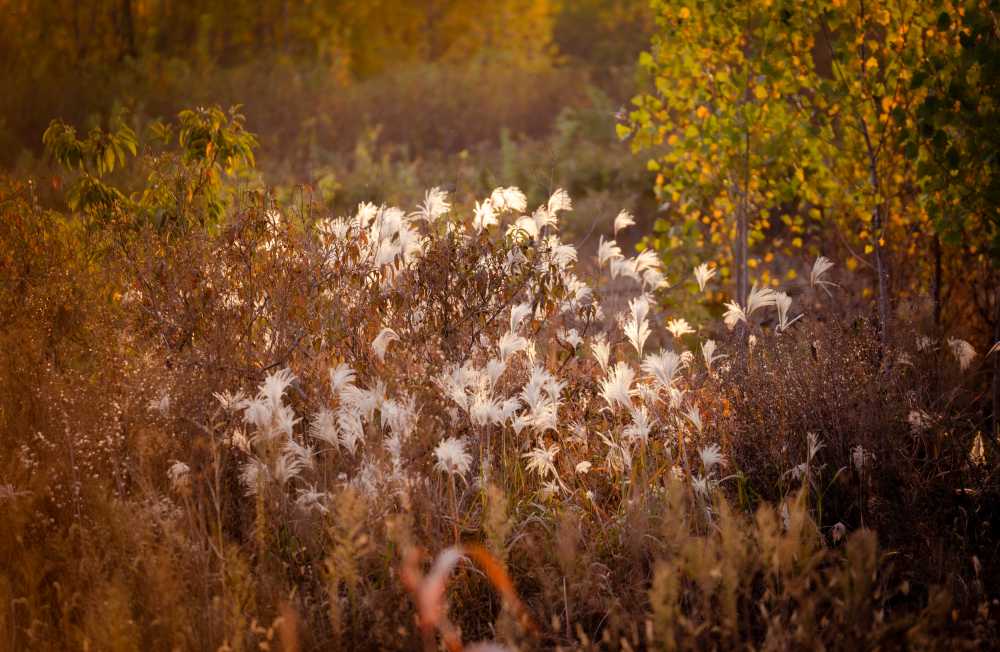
{"points": [[109, 544]]}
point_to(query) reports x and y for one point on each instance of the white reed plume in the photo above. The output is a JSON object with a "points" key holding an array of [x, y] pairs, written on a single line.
{"points": [[646, 259], [509, 199], [571, 337], [518, 314], [484, 216], [760, 298], [435, 205], [608, 251], [708, 352], [702, 486], [623, 221], [293, 459], [341, 377], [542, 460], [641, 426], [310, 500], [559, 201], [693, 415], [679, 327], [452, 457], [711, 457], [602, 350], [734, 314], [963, 352], [528, 224], [624, 267], [783, 302], [510, 344], [560, 253], [324, 427], [180, 476], [254, 476], [703, 274], [637, 328], [617, 387], [820, 267], [275, 384], [663, 367], [653, 279], [351, 428], [382, 341], [619, 457], [231, 402]]}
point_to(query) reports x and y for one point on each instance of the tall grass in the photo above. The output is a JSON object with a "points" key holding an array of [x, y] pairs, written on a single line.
{"points": [[398, 429]]}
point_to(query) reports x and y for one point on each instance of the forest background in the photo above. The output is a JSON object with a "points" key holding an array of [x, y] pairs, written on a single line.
{"points": [[797, 202]]}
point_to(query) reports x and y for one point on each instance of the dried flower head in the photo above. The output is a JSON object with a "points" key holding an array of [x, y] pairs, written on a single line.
{"points": [[703, 274], [820, 267], [679, 327], [180, 476], [381, 342], [962, 351], [623, 221], [616, 388], [452, 457]]}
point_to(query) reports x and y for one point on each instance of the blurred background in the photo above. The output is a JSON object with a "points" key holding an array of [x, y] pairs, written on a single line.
{"points": [[353, 100]]}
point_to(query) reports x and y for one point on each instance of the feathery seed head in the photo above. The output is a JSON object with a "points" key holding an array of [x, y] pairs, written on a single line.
{"points": [[452, 457]]}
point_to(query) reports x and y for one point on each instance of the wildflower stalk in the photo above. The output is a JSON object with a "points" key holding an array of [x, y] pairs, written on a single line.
{"points": [[454, 507]]}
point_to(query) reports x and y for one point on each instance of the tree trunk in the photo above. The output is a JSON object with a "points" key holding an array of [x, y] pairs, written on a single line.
{"points": [[936, 283], [878, 224], [878, 219], [996, 366], [742, 270], [882, 271], [127, 18], [742, 280]]}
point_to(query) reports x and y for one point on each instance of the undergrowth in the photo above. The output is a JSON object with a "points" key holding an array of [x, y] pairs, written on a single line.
{"points": [[394, 430]]}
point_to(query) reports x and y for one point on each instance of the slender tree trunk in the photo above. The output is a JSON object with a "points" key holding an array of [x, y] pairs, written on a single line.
{"points": [[743, 207], [77, 38], [127, 20], [996, 366], [878, 224], [936, 283], [742, 270], [878, 217], [882, 270]]}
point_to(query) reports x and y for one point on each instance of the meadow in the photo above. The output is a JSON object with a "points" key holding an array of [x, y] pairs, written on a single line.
{"points": [[552, 344]]}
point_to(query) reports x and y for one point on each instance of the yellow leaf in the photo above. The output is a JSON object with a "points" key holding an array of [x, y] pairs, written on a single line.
{"points": [[760, 93]]}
